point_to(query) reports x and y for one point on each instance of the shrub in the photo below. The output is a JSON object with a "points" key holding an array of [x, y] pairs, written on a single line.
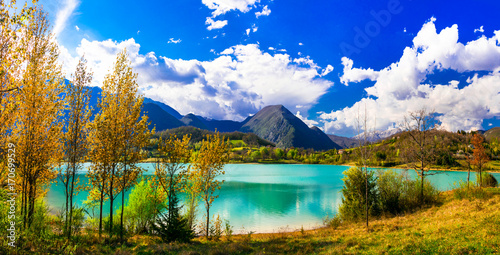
{"points": [[333, 222], [228, 230], [354, 192], [216, 228], [390, 186], [462, 191], [399, 194], [488, 180], [143, 207]]}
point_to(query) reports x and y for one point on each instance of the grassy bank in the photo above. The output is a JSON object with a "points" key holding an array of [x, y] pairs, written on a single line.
{"points": [[452, 227]]}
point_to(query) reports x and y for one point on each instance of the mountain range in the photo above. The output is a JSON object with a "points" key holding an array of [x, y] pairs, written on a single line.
{"points": [[274, 123]]}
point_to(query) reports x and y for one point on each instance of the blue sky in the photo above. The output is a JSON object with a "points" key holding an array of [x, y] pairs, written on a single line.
{"points": [[325, 60]]}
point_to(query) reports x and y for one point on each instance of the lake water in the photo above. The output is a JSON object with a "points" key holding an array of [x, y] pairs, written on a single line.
{"points": [[272, 198]]}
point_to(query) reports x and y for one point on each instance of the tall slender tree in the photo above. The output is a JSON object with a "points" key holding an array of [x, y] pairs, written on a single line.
{"points": [[75, 137], [37, 128], [171, 173], [365, 150], [12, 57], [479, 156], [209, 163], [419, 152], [134, 130], [119, 133]]}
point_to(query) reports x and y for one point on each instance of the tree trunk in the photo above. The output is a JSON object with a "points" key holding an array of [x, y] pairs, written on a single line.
{"points": [[208, 220], [100, 210], [66, 226], [366, 196], [111, 204], [71, 192], [468, 177], [121, 217], [422, 188]]}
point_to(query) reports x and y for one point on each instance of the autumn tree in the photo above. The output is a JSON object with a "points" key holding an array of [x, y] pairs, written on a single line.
{"points": [[208, 164], [37, 129], [419, 151], [119, 133], [171, 173], [12, 57], [134, 128], [75, 137], [479, 156]]}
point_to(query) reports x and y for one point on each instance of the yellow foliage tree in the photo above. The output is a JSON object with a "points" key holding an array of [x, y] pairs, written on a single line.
{"points": [[208, 164], [118, 134], [37, 131], [134, 130], [75, 137], [12, 57]]}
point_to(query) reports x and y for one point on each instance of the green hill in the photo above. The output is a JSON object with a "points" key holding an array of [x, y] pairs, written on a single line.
{"points": [[492, 133], [199, 134]]}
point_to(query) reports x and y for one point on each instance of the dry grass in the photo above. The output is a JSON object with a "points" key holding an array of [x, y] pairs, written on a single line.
{"points": [[454, 227]]}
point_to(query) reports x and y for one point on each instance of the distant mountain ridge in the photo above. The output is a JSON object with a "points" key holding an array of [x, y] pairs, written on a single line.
{"points": [[344, 142], [378, 135], [274, 123]]}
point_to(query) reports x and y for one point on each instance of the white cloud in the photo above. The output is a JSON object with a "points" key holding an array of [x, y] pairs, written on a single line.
{"points": [[301, 44], [253, 29], [138, 31], [401, 86], [265, 12], [308, 122], [174, 41], [77, 28], [215, 24], [222, 6], [355, 74], [63, 15], [480, 30], [327, 70], [239, 82]]}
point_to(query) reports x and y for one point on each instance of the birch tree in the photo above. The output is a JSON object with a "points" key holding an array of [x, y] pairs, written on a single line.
{"points": [[75, 137], [209, 163]]}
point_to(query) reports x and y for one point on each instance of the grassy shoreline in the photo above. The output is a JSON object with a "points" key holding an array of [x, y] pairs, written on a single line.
{"points": [[454, 226]]}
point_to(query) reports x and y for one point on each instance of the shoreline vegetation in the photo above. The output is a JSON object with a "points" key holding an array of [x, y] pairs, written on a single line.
{"points": [[452, 226]]}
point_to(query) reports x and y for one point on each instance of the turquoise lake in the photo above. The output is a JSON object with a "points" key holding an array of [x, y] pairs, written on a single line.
{"points": [[272, 198]]}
